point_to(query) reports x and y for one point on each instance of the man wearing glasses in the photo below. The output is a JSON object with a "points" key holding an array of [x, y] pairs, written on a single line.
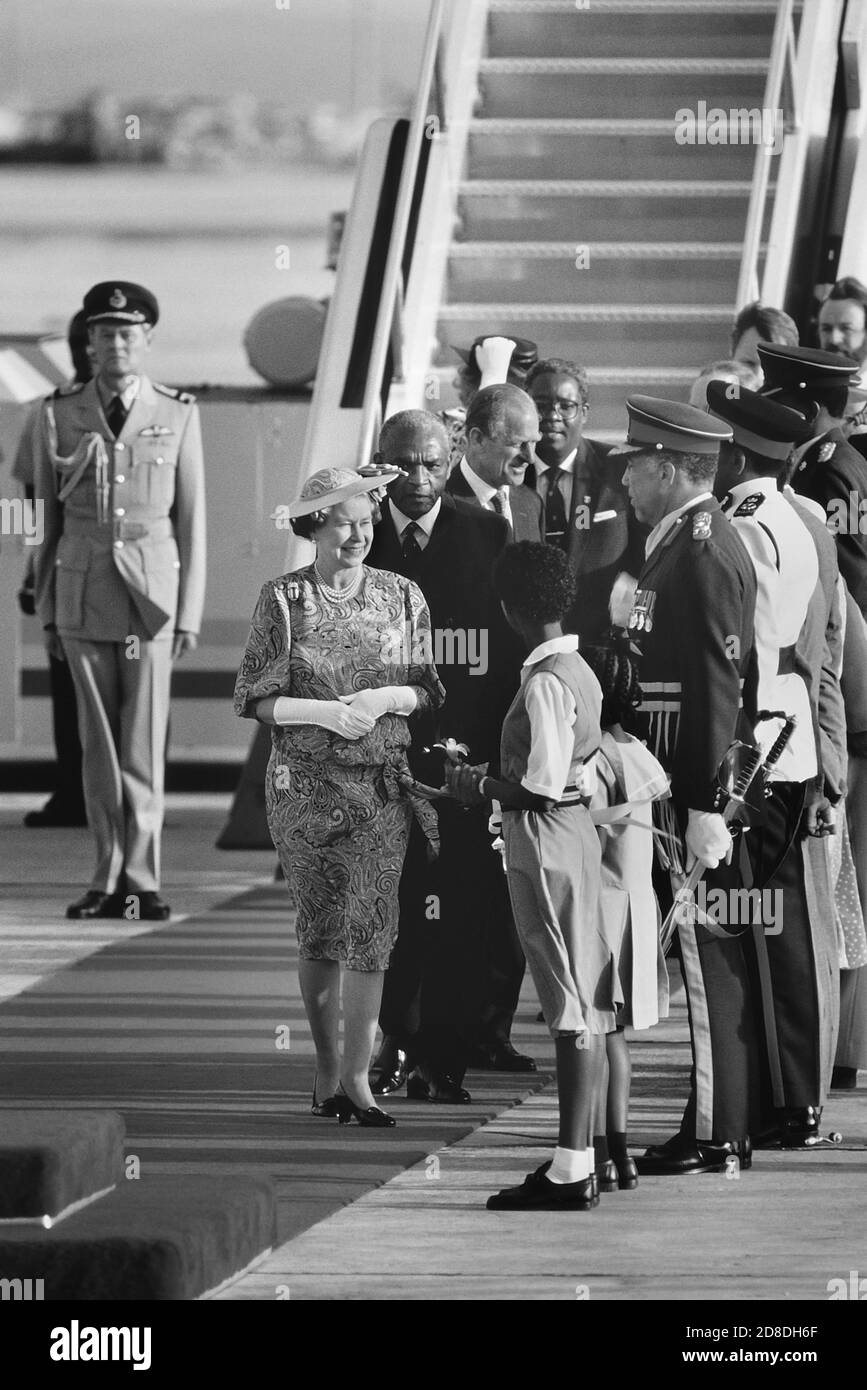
{"points": [[586, 509]]}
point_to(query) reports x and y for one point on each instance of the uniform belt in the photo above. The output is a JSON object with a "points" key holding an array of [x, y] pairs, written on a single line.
{"points": [[160, 529], [567, 800], [786, 662]]}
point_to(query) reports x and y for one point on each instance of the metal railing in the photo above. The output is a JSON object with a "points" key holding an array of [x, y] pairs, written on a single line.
{"points": [[782, 66], [388, 330]]}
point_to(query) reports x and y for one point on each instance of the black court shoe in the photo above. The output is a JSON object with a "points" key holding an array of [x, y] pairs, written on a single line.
{"points": [[331, 1108], [371, 1118]]}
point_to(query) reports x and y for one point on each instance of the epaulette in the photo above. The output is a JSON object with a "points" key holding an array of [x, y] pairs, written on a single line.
{"points": [[826, 450], [71, 388], [183, 396], [750, 504], [702, 526]]}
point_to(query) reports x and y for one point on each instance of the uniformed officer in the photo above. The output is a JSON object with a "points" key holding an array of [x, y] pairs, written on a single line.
{"points": [[693, 622], [120, 582], [794, 939], [827, 468]]}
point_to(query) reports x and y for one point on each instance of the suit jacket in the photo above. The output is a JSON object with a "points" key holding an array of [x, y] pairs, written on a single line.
{"points": [[693, 620], [832, 472], [455, 576], [524, 503], [604, 536], [124, 547]]}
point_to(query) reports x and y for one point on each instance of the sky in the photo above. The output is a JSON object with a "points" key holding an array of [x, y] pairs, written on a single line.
{"points": [[350, 51]]}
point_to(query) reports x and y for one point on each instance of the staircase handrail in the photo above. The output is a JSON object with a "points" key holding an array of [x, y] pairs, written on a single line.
{"points": [[782, 64]]}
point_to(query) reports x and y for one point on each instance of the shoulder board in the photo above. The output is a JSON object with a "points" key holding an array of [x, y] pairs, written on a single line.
{"points": [[826, 450], [750, 504], [183, 396], [72, 388]]}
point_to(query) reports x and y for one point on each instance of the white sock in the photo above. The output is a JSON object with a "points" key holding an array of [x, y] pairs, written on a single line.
{"points": [[569, 1165], [591, 1160]]}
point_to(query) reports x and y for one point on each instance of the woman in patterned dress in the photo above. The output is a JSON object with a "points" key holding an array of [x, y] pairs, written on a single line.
{"points": [[338, 657]]}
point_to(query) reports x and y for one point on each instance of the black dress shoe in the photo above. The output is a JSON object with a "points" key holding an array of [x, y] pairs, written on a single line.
{"points": [[614, 1177], [96, 904], [437, 1087], [681, 1156], [371, 1118], [388, 1076], [151, 907], [538, 1193], [844, 1078], [55, 813], [799, 1128], [500, 1056]]}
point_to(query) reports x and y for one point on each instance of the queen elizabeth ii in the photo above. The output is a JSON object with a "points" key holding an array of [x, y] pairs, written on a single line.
{"points": [[328, 667]]}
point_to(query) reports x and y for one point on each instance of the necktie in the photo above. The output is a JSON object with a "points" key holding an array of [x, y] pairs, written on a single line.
{"points": [[116, 415], [412, 551], [555, 510], [498, 503]]}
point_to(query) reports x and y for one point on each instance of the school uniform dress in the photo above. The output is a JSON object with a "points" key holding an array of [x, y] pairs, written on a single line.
{"points": [[550, 734], [627, 772]]}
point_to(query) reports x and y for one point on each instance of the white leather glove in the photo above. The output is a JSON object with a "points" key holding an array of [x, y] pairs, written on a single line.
{"points": [[707, 838], [493, 357], [388, 699], [340, 719]]}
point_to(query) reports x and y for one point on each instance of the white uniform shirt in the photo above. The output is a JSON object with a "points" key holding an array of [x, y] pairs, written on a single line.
{"points": [[787, 572]]}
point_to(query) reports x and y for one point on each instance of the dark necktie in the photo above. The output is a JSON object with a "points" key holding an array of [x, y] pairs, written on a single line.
{"points": [[498, 504], [116, 415], [555, 510], [412, 551]]}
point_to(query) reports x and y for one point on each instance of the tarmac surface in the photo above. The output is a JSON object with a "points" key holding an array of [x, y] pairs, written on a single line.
{"points": [[195, 1032]]}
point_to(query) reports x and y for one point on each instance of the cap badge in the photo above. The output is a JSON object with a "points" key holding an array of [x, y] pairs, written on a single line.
{"points": [[118, 300], [641, 617], [701, 524]]}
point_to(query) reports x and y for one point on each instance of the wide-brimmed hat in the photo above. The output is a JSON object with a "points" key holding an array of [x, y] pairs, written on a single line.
{"points": [[329, 486]]}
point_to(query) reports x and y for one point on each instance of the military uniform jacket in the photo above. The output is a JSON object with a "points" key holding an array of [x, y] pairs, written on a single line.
{"points": [[787, 573], [605, 537], [693, 622], [124, 547], [831, 471]]}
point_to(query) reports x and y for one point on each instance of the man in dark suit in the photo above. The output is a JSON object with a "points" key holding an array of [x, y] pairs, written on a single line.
{"points": [[586, 508], [501, 428], [827, 468], [456, 971], [693, 620]]}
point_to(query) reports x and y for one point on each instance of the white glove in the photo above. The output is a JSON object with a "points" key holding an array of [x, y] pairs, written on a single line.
{"points": [[707, 838], [493, 357], [622, 599], [349, 723], [388, 699]]}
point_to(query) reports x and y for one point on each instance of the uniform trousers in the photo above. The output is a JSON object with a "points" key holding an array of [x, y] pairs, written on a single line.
{"points": [[123, 709], [796, 955], [457, 968], [723, 1102], [852, 1042]]}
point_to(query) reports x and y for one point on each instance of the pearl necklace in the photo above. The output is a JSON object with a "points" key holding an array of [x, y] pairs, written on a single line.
{"points": [[338, 595]]}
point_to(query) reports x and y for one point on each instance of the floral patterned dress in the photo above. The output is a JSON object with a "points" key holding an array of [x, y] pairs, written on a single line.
{"points": [[337, 810]]}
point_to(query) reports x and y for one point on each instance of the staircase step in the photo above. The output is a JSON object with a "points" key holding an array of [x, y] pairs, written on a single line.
{"points": [[549, 272], [535, 28], [589, 148], [588, 209], [598, 87], [54, 1162], [674, 335], [166, 1238]]}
